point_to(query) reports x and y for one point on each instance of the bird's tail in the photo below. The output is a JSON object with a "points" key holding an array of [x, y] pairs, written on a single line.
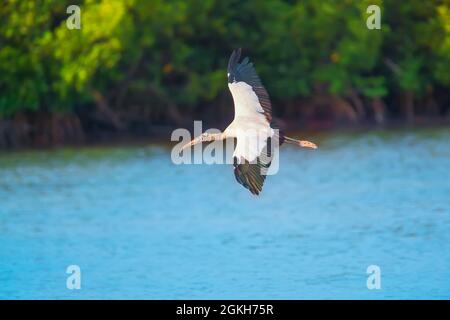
{"points": [[300, 143]]}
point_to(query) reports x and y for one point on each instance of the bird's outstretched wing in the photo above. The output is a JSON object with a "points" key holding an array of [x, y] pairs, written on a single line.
{"points": [[250, 97], [252, 110], [252, 174]]}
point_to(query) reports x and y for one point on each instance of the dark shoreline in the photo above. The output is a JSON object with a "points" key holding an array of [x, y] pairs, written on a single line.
{"points": [[161, 134]]}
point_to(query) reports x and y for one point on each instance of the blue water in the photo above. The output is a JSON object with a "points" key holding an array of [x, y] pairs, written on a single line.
{"points": [[141, 227]]}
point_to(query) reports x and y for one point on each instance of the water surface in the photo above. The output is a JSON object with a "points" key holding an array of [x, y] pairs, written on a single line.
{"points": [[141, 227]]}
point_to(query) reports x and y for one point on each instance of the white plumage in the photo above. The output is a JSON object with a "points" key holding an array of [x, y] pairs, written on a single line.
{"points": [[246, 103], [250, 126], [253, 128]]}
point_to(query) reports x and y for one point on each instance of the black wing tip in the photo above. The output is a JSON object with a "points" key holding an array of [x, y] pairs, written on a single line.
{"points": [[246, 181], [234, 58], [238, 53], [253, 190]]}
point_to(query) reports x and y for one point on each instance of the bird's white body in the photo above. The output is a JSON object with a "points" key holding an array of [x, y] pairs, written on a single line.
{"points": [[251, 138], [250, 126]]}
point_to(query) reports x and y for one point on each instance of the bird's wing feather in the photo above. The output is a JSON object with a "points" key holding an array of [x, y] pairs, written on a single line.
{"points": [[253, 154], [251, 174], [250, 97]]}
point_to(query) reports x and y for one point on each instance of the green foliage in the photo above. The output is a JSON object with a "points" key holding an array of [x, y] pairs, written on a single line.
{"points": [[178, 50]]}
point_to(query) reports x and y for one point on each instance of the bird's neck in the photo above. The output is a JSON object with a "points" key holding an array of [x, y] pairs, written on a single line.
{"points": [[218, 136]]}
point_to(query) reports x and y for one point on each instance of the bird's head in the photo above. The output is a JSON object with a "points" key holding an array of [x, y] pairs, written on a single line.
{"points": [[204, 137]]}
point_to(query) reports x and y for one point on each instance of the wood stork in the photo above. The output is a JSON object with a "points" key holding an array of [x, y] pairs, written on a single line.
{"points": [[252, 155]]}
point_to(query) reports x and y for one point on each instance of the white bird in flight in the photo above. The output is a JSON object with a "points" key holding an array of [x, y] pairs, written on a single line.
{"points": [[255, 131]]}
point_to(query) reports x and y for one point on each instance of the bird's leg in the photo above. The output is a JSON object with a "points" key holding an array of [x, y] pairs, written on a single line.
{"points": [[300, 143], [307, 144]]}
